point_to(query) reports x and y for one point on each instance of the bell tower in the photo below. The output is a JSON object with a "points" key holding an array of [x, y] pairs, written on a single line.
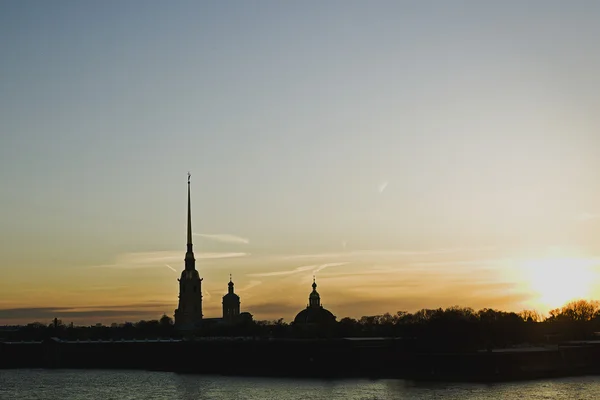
{"points": [[188, 315], [231, 304]]}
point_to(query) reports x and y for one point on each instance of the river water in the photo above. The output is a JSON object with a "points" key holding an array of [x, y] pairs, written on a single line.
{"points": [[142, 385]]}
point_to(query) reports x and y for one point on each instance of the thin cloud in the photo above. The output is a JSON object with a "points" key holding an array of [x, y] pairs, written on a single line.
{"points": [[160, 259], [249, 286], [382, 186], [323, 266], [315, 268], [224, 237], [383, 253], [91, 314], [98, 289], [149, 304], [171, 268], [460, 263], [282, 273], [221, 255], [426, 273]]}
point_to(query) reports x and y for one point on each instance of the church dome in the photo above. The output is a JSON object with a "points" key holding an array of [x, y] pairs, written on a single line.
{"points": [[314, 312], [231, 296], [314, 315]]}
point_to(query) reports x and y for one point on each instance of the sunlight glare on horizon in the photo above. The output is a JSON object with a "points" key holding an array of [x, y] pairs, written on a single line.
{"points": [[553, 282]]}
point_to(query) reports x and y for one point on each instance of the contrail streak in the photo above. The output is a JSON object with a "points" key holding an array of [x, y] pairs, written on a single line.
{"points": [[171, 268]]}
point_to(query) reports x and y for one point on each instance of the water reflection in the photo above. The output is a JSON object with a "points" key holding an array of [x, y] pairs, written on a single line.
{"points": [[134, 385]]}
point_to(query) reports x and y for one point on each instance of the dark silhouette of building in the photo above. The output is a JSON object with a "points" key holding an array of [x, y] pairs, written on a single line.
{"points": [[231, 304], [314, 314], [188, 315]]}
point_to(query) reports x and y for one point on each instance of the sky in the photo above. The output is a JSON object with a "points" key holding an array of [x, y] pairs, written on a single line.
{"points": [[409, 154]]}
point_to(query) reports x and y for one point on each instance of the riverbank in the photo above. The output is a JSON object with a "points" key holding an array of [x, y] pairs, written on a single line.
{"points": [[334, 358]]}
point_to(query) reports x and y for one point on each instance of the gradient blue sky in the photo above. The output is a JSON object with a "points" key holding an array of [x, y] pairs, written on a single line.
{"points": [[367, 135]]}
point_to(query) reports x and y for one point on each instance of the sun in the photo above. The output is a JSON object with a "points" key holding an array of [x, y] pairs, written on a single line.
{"points": [[556, 281]]}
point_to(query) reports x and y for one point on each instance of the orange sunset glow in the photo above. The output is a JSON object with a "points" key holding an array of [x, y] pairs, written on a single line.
{"points": [[406, 157]]}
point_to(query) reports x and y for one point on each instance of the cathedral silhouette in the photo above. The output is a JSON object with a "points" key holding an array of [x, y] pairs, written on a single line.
{"points": [[189, 316]]}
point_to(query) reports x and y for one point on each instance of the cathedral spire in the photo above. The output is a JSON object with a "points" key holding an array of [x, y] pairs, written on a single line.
{"points": [[189, 218], [189, 255]]}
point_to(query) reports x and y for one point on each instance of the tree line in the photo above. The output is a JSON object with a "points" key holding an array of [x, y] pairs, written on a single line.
{"points": [[450, 328]]}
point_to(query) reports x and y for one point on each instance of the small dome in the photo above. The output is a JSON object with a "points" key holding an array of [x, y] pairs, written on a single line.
{"points": [[231, 296], [314, 312], [314, 315]]}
